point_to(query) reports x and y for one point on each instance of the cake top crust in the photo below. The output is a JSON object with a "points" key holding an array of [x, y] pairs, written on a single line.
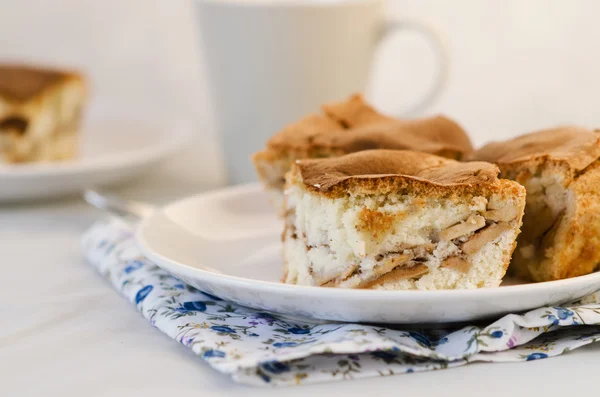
{"points": [[431, 135], [575, 146], [299, 135], [372, 169], [20, 82], [353, 125]]}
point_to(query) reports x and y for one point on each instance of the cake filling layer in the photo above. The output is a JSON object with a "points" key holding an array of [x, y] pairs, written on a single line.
{"points": [[380, 241], [443, 268]]}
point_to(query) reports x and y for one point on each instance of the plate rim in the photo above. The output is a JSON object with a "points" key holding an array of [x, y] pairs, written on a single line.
{"points": [[222, 279], [179, 134]]}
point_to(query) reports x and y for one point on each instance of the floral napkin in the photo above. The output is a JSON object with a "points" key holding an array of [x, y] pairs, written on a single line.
{"points": [[262, 349]]}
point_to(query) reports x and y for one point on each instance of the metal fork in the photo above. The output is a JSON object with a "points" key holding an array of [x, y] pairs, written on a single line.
{"points": [[117, 206]]}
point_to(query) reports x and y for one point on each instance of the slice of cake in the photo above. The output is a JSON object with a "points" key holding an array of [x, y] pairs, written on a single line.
{"points": [[349, 127], [390, 219], [561, 172], [40, 110]]}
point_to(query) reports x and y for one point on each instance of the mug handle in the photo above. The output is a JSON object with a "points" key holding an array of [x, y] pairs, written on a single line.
{"points": [[440, 52]]}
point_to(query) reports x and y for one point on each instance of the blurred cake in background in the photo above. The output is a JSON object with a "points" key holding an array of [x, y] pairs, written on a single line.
{"points": [[40, 113]]}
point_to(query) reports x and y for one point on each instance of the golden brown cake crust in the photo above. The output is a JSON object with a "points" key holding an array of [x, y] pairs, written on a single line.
{"points": [[436, 135], [354, 112], [20, 82], [374, 170], [574, 146], [297, 136], [353, 125]]}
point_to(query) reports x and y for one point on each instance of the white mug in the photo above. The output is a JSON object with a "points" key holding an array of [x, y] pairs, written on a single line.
{"points": [[271, 62]]}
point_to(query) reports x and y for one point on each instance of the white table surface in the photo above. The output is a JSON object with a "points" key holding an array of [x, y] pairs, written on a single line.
{"points": [[66, 332]]}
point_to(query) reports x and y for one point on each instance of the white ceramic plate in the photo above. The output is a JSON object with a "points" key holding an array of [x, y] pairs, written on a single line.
{"points": [[227, 243], [112, 152]]}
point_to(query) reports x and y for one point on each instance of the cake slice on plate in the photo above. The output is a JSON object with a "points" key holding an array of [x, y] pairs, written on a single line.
{"points": [[40, 111], [349, 127], [561, 172], [399, 220]]}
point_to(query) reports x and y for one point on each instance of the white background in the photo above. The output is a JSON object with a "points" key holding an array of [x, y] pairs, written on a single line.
{"points": [[516, 66]]}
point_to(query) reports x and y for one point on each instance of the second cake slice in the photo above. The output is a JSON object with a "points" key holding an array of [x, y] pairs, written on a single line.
{"points": [[399, 220], [348, 127]]}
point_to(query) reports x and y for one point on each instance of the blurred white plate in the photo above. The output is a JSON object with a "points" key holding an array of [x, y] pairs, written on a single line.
{"points": [[227, 243], [112, 152]]}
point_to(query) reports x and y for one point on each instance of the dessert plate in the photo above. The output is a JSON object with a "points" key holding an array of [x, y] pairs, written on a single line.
{"points": [[113, 151], [227, 243]]}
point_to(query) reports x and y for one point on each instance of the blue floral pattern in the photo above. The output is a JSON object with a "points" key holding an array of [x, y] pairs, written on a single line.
{"points": [[260, 348]]}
